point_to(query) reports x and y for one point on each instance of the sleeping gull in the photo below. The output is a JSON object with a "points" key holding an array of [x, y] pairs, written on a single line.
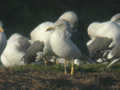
{"points": [[14, 50]]}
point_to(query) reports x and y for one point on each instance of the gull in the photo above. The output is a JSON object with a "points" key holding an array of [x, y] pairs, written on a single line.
{"points": [[97, 43], [40, 34], [100, 43], [14, 50], [109, 30], [61, 43]]}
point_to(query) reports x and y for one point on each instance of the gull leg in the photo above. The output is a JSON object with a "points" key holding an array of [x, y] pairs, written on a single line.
{"points": [[65, 67], [45, 61], [72, 68], [56, 61], [114, 61]]}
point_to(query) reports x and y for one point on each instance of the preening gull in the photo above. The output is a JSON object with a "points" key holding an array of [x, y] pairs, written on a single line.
{"points": [[40, 34], [109, 30], [14, 50], [100, 43], [61, 43]]}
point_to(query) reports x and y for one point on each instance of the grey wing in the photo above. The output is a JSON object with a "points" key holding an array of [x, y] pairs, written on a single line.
{"points": [[31, 52], [74, 50], [24, 43], [3, 43], [115, 52]]}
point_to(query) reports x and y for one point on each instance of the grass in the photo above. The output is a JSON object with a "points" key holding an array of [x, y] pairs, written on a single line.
{"points": [[60, 68], [51, 77]]}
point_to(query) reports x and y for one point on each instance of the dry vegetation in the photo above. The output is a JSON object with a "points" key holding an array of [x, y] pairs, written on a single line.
{"points": [[34, 77]]}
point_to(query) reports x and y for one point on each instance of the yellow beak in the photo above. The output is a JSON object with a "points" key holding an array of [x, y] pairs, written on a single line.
{"points": [[1, 29]]}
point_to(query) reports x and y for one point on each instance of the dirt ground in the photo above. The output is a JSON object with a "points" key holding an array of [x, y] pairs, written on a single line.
{"points": [[34, 79]]}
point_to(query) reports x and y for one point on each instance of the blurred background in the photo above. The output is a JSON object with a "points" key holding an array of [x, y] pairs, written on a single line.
{"points": [[23, 16]]}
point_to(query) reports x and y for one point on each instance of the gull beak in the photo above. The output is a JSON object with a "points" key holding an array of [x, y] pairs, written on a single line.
{"points": [[50, 29], [1, 29]]}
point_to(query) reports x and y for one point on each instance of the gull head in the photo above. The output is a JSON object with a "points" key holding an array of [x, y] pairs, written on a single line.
{"points": [[115, 17], [61, 28], [70, 17], [92, 28], [60, 25], [14, 37]]}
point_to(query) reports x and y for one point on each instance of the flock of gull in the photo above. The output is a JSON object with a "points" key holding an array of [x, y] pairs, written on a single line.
{"points": [[51, 42]]}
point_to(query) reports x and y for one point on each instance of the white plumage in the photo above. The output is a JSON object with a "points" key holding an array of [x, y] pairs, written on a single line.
{"points": [[61, 43], [107, 30], [15, 50], [95, 28], [40, 34], [116, 18], [70, 17]]}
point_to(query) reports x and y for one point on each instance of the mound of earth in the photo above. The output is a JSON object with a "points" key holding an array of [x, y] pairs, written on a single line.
{"points": [[37, 79]]}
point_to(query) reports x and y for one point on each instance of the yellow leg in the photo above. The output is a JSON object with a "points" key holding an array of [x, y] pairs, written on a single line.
{"points": [[56, 61], [45, 61], [65, 68], [72, 68]]}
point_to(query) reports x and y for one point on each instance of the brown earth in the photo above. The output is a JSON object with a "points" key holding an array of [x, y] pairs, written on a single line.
{"points": [[32, 79]]}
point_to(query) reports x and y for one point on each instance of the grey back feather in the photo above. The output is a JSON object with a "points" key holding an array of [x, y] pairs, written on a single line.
{"points": [[32, 51]]}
